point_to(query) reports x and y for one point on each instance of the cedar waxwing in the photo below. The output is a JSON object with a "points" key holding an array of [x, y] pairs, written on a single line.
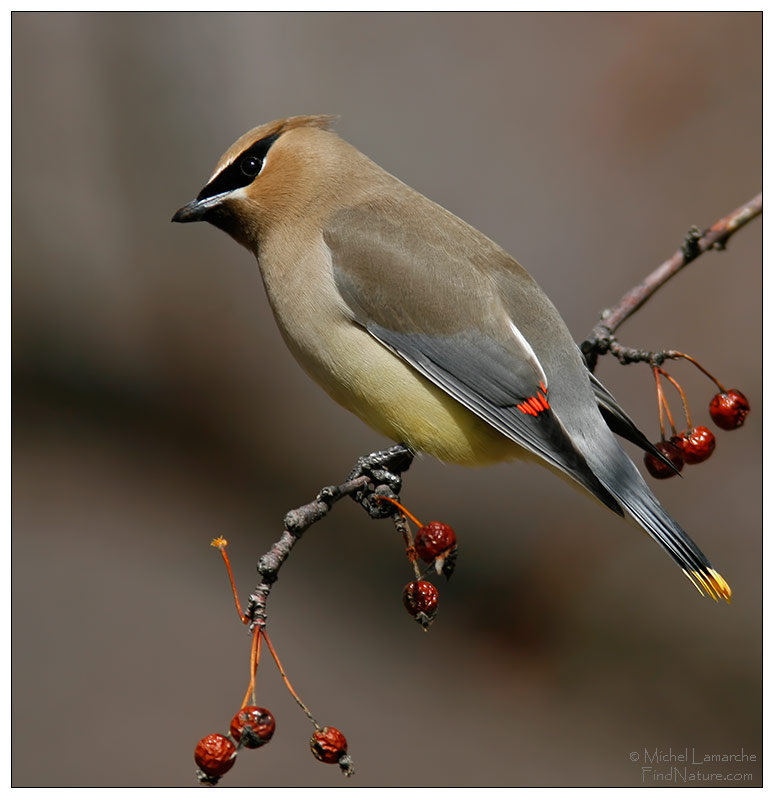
{"points": [[422, 326]]}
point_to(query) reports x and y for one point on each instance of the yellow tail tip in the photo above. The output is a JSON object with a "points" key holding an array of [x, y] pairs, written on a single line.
{"points": [[711, 583]]}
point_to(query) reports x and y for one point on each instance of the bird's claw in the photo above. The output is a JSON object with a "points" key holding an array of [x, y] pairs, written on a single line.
{"points": [[383, 470]]}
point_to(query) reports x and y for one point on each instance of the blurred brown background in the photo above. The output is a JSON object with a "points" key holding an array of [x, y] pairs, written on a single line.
{"points": [[156, 406]]}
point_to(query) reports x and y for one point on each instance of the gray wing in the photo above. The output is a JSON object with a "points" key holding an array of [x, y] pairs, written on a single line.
{"points": [[441, 312]]}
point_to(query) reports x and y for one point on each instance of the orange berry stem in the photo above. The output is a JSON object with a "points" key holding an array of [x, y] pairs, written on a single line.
{"points": [[287, 681], [221, 544], [682, 397], [406, 511], [663, 405], [676, 354], [660, 400], [255, 657], [401, 525]]}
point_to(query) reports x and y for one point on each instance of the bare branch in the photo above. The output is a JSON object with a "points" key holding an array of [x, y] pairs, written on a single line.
{"points": [[696, 243], [375, 475]]}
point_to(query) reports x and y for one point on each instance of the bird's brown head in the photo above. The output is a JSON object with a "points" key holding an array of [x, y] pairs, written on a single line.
{"points": [[268, 173]]}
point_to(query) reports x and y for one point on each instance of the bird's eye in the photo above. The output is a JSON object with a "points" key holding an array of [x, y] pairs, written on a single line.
{"points": [[251, 166], [241, 171]]}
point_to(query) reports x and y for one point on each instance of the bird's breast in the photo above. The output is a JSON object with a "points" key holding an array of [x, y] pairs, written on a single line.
{"points": [[363, 375]]}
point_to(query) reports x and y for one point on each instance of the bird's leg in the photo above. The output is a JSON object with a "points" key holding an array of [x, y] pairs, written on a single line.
{"points": [[383, 470]]}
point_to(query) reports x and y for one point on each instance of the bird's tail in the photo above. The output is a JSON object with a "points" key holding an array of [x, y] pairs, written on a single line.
{"points": [[622, 479]]}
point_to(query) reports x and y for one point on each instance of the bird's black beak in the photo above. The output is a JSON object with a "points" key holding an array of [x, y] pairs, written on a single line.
{"points": [[191, 212]]}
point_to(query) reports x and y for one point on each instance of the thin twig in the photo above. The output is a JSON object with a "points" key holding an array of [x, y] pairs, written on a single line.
{"points": [[296, 522], [375, 476], [601, 339]]}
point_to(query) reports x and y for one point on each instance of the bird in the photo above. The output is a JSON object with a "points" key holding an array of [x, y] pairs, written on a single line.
{"points": [[421, 325]]}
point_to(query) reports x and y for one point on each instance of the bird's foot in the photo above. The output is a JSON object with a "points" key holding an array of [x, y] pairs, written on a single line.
{"points": [[383, 470]]}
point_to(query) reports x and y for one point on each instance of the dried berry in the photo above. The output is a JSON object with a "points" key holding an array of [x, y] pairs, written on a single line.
{"points": [[662, 470], [215, 755], [729, 409], [252, 726], [436, 543], [328, 745], [697, 444], [434, 539], [421, 601]]}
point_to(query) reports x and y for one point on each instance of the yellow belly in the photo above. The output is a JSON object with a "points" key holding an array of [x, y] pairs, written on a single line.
{"points": [[394, 399]]}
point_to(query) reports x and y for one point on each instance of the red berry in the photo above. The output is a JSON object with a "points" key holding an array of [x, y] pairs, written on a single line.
{"points": [[697, 444], [421, 601], [328, 745], [253, 726], [434, 539], [729, 409], [658, 468], [215, 754]]}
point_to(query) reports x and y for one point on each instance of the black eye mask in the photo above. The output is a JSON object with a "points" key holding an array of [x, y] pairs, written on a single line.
{"points": [[241, 171]]}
